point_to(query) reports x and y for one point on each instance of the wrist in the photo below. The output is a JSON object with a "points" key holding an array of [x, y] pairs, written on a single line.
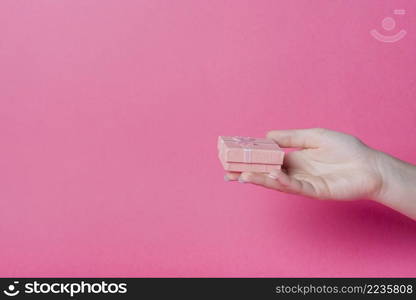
{"points": [[397, 188], [383, 168]]}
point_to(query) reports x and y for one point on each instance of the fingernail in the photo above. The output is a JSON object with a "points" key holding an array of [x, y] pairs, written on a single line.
{"points": [[274, 174], [241, 180], [226, 178]]}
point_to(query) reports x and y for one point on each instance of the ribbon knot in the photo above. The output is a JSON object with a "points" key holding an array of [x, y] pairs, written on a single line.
{"points": [[242, 140], [246, 143]]}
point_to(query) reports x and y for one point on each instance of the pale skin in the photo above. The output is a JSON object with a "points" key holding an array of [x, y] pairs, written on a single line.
{"points": [[334, 165]]}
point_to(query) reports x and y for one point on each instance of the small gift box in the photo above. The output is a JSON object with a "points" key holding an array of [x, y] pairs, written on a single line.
{"points": [[247, 154]]}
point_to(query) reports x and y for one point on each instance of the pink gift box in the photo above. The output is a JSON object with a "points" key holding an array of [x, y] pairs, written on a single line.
{"points": [[246, 154]]}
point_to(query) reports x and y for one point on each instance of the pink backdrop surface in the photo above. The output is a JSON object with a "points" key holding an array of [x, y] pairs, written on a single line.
{"points": [[109, 114]]}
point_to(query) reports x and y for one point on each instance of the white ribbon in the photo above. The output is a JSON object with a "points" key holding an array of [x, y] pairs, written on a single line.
{"points": [[246, 143]]}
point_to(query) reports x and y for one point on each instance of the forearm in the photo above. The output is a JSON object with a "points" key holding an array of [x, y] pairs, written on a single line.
{"points": [[398, 187]]}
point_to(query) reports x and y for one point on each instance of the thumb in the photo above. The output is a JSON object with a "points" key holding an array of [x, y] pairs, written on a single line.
{"points": [[298, 138], [279, 180]]}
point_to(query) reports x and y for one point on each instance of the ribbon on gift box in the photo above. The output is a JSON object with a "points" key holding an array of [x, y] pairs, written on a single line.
{"points": [[247, 143]]}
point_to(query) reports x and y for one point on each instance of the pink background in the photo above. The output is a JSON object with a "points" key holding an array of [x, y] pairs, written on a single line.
{"points": [[109, 114]]}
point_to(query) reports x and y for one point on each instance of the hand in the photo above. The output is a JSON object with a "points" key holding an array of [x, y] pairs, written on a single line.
{"points": [[328, 165]]}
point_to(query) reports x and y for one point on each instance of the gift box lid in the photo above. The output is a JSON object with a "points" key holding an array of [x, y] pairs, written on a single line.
{"points": [[249, 150]]}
